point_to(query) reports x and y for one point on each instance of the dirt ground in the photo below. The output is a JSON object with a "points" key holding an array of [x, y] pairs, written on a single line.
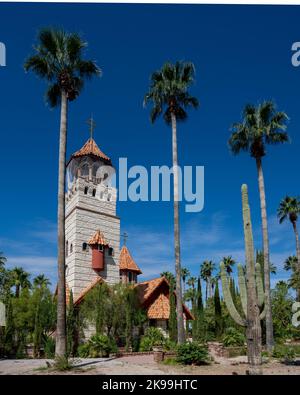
{"points": [[144, 364]]}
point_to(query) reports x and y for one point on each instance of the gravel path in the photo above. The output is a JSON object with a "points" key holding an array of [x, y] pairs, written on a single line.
{"points": [[143, 364]]}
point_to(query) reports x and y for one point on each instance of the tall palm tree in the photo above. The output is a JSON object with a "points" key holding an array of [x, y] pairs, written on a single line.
{"points": [[228, 263], [41, 281], [184, 274], [261, 125], [58, 59], [2, 260], [289, 208], [291, 263], [169, 276], [191, 282], [206, 270], [20, 279], [169, 95]]}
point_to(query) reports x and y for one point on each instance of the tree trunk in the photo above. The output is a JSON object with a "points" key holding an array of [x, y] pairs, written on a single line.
{"points": [[61, 338], [269, 321], [180, 325], [298, 257], [253, 331]]}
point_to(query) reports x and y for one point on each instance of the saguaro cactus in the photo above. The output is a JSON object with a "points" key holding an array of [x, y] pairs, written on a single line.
{"points": [[251, 291]]}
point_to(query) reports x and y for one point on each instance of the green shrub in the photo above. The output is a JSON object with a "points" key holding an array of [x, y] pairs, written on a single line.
{"points": [[62, 364], [98, 346], [193, 353], [233, 338], [153, 337], [49, 347], [83, 350], [284, 353], [145, 344], [169, 345]]}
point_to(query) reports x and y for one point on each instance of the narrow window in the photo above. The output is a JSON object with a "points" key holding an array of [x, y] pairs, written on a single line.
{"points": [[130, 277], [94, 192], [85, 190], [110, 251], [71, 248], [84, 247], [100, 247]]}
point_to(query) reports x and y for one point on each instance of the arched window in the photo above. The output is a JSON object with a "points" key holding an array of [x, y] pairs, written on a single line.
{"points": [[100, 247], [86, 190], [109, 198], [110, 251], [84, 247], [94, 192], [130, 277], [71, 248]]}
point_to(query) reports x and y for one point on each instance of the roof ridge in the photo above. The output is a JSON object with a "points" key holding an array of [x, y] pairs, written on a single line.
{"points": [[126, 262], [90, 147]]}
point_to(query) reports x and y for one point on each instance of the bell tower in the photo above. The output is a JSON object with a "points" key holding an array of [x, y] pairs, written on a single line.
{"points": [[92, 226]]}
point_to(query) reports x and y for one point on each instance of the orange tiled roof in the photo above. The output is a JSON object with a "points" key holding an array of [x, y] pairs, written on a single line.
{"points": [[127, 262], [91, 148], [81, 296], [160, 308], [98, 238], [146, 288]]}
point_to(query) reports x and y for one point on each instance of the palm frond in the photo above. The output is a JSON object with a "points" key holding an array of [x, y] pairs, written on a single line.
{"points": [[53, 95]]}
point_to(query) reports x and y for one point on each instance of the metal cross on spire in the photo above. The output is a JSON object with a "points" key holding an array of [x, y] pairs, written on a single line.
{"points": [[92, 125], [125, 237]]}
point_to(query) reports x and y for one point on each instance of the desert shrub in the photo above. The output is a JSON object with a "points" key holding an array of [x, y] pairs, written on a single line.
{"points": [[98, 346], [145, 344], [169, 345], [62, 364], [83, 350], [194, 353], [153, 337], [101, 346], [284, 353], [233, 338], [49, 347]]}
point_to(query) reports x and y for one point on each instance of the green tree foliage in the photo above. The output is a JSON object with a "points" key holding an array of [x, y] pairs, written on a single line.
{"points": [[282, 312], [173, 315], [218, 312]]}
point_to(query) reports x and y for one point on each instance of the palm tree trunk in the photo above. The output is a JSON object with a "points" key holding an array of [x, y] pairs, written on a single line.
{"points": [[298, 256], [180, 325], [269, 321], [61, 339], [17, 294]]}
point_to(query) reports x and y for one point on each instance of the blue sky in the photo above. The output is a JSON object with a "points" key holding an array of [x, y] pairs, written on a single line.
{"points": [[242, 54]]}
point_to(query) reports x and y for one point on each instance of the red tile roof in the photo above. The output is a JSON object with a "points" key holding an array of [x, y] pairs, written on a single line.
{"points": [[126, 261], [154, 296], [91, 148], [83, 293], [160, 308], [98, 238]]}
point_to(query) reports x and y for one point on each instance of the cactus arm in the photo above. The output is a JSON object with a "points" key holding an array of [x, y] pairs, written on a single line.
{"points": [[243, 290], [259, 285], [262, 315], [228, 298]]}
